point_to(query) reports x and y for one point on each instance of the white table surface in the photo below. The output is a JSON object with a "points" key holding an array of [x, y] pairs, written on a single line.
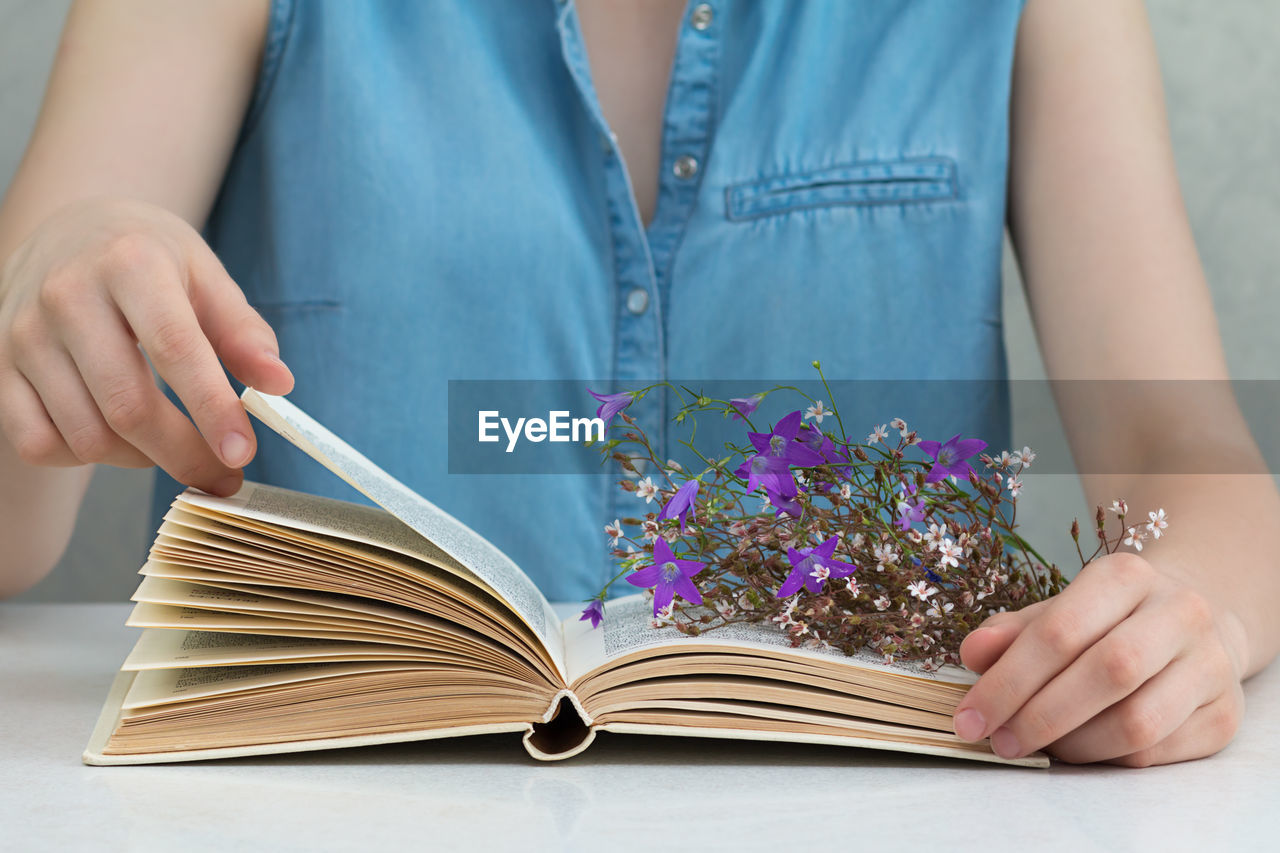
{"points": [[485, 793]]}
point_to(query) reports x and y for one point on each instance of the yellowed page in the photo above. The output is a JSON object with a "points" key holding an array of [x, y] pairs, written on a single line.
{"points": [[469, 548], [626, 630]]}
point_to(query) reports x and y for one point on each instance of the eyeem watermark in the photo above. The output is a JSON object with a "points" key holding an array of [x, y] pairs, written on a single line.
{"points": [[558, 427]]}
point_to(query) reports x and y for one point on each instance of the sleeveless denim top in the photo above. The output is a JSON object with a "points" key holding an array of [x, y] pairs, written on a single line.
{"points": [[427, 191]]}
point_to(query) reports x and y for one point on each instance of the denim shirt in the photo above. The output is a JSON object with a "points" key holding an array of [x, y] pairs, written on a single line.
{"points": [[429, 191]]}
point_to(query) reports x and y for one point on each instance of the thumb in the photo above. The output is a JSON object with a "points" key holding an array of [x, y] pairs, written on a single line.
{"points": [[244, 342], [986, 643]]}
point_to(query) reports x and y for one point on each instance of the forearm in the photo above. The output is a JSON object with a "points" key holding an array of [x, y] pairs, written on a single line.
{"points": [[1215, 543], [38, 509]]}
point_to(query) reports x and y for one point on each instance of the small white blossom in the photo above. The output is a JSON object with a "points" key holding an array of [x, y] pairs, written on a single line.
{"points": [[817, 412], [880, 433], [921, 590], [649, 527], [765, 505], [939, 609], [951, 552], [673, 465], [725, 609], [900, 425], [852, 586], [614, 532], [936, 534], [1015, 486], [846, 491], [647, 490], [1026, 456], [881, 603], [916, 620], [1135, 538], [1157, 524], [821, 573], [885, 555], [1119, 507]]}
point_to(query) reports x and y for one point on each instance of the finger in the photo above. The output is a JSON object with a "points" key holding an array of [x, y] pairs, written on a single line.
{"points": [[243, 340], [1207, 731], [1073, 621], [1108, 671], [992, 638], [160, 315], [122, 389], [27, 425], [1144, 719], [74, 412]]}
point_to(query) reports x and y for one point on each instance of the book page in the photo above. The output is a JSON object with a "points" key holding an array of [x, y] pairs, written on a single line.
{"points": [[163, 648], [162, 686], [469, 548], [626, 629]]}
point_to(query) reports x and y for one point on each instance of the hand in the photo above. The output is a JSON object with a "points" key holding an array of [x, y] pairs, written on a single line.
{"points": [[1126, 666], [77, 300]]}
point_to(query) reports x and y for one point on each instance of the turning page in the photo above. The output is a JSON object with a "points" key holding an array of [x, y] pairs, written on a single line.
{"points": [[494, 568]]}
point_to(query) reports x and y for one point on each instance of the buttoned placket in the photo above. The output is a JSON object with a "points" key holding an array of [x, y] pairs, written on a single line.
{"points": [[643, 258]]}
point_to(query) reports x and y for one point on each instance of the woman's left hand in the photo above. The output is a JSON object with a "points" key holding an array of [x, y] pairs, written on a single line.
{"points": [[1126, 665]]}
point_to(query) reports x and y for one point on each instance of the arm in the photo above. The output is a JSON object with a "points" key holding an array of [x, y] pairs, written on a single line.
{"points": [[1139, 661], [100, 251]]}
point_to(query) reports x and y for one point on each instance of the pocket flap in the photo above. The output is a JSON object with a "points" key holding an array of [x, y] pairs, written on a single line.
{"points": [[868, 183]]}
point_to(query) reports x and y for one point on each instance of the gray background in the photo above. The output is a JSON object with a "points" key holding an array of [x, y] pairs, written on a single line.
{"points": [[1221, 69]]}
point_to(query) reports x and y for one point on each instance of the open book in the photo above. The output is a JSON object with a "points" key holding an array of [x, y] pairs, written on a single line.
{"points": [[277, 621]]}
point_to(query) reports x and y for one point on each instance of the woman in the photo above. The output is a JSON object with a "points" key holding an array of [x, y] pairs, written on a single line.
{"points": [[412, 193]]}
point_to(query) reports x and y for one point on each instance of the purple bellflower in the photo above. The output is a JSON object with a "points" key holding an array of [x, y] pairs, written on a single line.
{"points": [[681, 503], [776, 452], [668, 576], [610, 404], [949, 458], [745, 406], [811, 567], [910, 507], [593, 612]]}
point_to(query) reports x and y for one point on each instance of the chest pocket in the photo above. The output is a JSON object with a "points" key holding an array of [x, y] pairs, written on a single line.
{"points": [[859, 184]]}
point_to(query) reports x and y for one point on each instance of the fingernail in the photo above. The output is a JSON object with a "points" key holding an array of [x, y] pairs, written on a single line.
{"points": [[1004, 744], [235, 449], [969, 724]]}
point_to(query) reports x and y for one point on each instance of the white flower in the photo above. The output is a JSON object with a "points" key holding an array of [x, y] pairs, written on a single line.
{"points": [[916, 620], [880, 433], [784, 618], [614, 532], [664, 617], [921, 590], [1026, 456], [724, 608], [738, 528], [881, 603], [935, 535], [885, 555], [1119, 507], [1157, 524], [817, 412], [900, 425], [939, 609], [951, 552], [1015, 486], [821, 573], [765, 505], [647, 490], [1004, 460], [846, 491], [1135, 538], [673, 465], [852, 586], [649, 528]]}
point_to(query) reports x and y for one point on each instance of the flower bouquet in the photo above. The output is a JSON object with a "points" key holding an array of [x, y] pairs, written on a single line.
{"points": [[895, 542]]}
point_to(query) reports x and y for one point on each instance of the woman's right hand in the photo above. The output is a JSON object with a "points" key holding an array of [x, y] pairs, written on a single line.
{"points": [[83, 297]]}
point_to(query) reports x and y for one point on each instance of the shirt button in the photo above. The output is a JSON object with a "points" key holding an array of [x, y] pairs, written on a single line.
{"points": [[638, 300], [685, 167], [701, 16]]}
